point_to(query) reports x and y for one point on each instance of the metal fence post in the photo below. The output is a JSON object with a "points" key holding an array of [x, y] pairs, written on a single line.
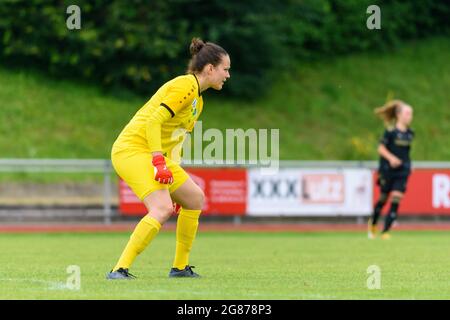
{"points": [[237, 220], [107, 193]]}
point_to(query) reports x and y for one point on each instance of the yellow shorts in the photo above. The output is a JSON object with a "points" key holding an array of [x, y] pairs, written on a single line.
{"points": [[136, 169]]}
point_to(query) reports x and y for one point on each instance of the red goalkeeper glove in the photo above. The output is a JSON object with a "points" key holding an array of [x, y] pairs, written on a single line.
{"points": [[162, 174], [176, 208]]}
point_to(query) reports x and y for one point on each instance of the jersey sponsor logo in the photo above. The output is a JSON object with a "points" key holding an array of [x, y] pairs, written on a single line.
{"points": [[402, 143], [194, 107], [404, 136]]}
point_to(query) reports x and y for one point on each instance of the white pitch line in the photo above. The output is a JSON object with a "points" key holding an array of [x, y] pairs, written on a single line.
{"points": [[51, 285], [56, 285]]}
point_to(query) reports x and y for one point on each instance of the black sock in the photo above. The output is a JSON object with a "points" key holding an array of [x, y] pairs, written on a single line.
{"points": [[378, 207], [390, 218]]}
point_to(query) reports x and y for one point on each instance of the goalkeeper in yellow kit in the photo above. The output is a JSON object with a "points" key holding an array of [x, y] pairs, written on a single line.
{"points": [[147, 153]]}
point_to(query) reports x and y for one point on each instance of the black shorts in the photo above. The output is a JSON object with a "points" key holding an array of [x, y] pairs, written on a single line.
{"points": [[390, 183]]}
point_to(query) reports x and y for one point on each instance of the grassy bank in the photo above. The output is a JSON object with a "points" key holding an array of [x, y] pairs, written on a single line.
{"points": [[323, 109]]}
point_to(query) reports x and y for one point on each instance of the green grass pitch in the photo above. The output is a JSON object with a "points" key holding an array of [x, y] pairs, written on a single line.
{"points": [[413, 265]]}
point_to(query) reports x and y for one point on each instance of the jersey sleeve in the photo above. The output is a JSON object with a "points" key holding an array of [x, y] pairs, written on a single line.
{"points": [[386, 139], [153, 130], [179, 95]]}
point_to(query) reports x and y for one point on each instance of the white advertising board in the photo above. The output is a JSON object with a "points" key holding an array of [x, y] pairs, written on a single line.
{"points": [[310, 192]]}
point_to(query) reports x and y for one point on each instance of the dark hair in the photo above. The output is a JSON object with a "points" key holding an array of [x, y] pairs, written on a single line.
{"points": [[204, 53]]}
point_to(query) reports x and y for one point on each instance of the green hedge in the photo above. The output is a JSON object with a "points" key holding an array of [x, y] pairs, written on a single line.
{"points": [[139, 44]]}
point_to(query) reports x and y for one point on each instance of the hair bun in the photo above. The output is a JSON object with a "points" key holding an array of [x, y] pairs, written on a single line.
{"points": [[196, 45]]}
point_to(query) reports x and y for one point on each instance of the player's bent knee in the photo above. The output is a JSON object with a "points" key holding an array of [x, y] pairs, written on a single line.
{"points": [[196, 201], [397, 194], [162, 212], [200, 200]]}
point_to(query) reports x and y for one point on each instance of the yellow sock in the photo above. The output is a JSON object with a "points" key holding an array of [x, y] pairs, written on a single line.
{"points": [[187, 225], [144, 232]]}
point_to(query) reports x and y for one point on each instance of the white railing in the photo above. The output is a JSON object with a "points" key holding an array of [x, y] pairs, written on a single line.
{"points": [[334, 164], [103, 166], [67, 166]]}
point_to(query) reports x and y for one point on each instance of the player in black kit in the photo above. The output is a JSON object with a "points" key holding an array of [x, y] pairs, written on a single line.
{"points": [[395, 163]]}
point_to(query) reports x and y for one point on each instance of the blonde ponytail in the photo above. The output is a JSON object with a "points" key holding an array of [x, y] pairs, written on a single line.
{"points": [[388, 112]]}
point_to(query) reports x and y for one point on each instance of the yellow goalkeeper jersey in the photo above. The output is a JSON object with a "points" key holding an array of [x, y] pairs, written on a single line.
{"points": [[162, 123]]}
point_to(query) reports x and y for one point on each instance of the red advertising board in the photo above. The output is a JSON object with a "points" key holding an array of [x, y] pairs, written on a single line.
{"points": [[428, 193], [225, 192]]}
